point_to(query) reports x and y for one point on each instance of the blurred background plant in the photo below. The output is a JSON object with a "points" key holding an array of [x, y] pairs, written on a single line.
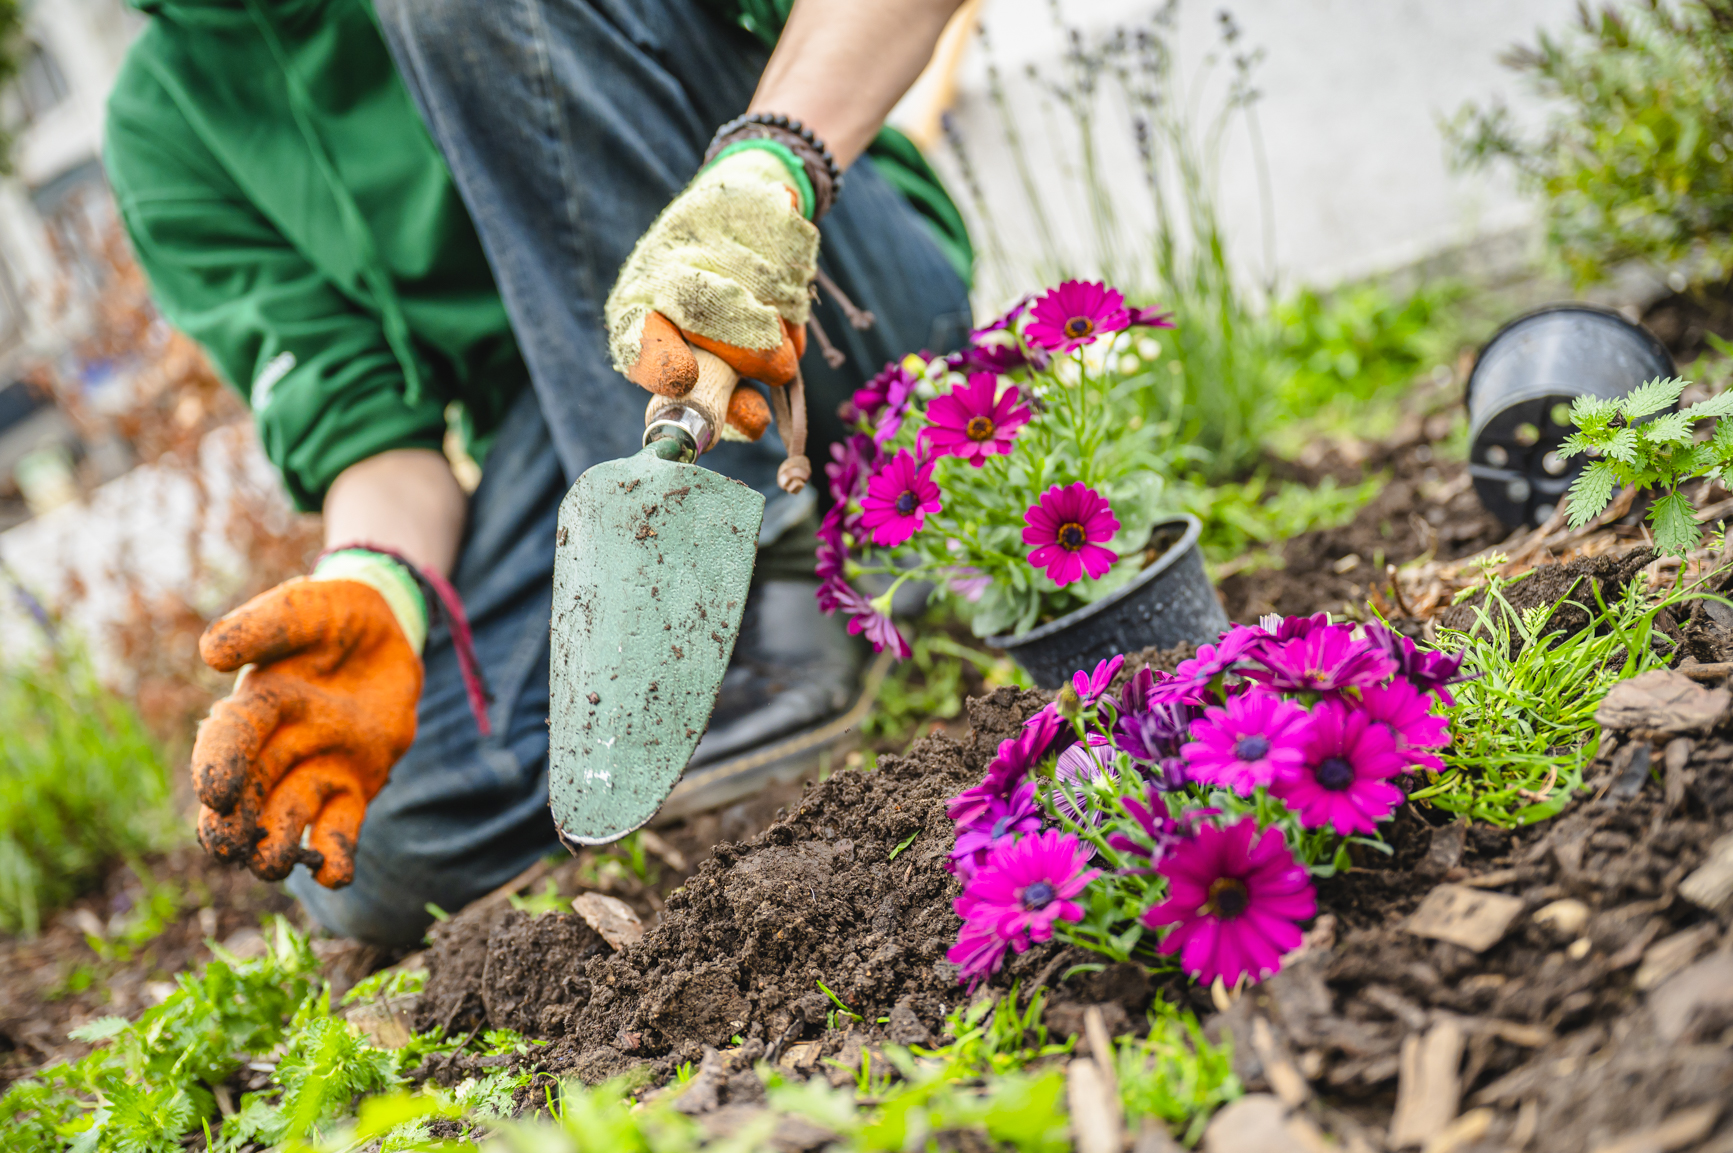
{"points": [[82, 785], [1633, 161]]}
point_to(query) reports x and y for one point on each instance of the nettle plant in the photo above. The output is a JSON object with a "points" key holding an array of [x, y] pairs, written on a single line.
{"points": [[1189, 813], [1626, 447], [1019, 474]]}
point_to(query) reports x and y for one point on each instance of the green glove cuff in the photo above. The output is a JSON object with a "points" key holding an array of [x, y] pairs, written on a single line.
{"points": [[796, 170], [402, 592]]}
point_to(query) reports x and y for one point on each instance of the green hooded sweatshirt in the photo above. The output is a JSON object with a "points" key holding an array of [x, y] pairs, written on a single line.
{"points": [[295, 218]]}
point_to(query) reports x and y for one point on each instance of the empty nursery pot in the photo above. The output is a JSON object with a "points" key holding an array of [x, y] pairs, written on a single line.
{"points": [[1170, 601], [1520, 393]]}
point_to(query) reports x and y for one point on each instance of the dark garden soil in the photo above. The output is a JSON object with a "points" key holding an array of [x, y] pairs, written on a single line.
{"points": [[1547, 988], [1427, 508], [1564, 987]]}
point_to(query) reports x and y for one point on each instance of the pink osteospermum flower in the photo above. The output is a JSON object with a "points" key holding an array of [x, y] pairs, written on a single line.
{"points": [[1010, 767], [1327, 659], [1235, 900], [1343, 779], [1244, 745], [1003, 817], [898, 499], [1406, 711], [1428, 670], [1023, 888], [978, 952], [1074, 314], [1005, 321], [1091, 687], [1067, 526], [891, 387], [1236, 645], [969, 422], [864, 619], [1152, 317]]}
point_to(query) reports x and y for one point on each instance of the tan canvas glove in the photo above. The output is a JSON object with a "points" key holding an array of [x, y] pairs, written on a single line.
{"points": [[727, 267]]}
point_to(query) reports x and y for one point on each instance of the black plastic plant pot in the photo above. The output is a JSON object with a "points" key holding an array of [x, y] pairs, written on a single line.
{"points": [[1170, 601], [1520, 393]]}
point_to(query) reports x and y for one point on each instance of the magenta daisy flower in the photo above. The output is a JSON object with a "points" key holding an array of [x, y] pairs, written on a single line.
{"points": [[978, 952], [968, 422], [1091, 687], [852, 461], [1159, 829], [1023, 887], [1407, 712], [1074, 314], [1236, 645], [1285, 629], [1152, 317], [1003, 817], [898, 499], [1004, 322], [1324, 660], [1235, 900], [999, 359], [1428, 670], [891, 387], [1343, 779], [1244, 745], [1066, 527], [864, 619], [1016, 756]]}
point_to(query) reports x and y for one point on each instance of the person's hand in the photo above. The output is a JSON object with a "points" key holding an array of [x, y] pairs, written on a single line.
{"points": [[726, 267], [324, 707]]}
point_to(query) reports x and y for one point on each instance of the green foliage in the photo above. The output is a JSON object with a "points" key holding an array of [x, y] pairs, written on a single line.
{"points": [[1353, 344], [1524, 729], [1174, 1074], [1239, 517], [929, 685], [81, 784], [1633, 162], [1629, 444], [11, 60], [991, 1036]]}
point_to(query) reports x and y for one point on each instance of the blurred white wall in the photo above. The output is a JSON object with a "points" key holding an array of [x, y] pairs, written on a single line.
{"points": [[1352, 95]]}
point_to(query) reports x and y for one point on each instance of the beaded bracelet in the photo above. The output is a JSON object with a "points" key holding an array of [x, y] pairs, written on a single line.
{"points": [[821, 167]]}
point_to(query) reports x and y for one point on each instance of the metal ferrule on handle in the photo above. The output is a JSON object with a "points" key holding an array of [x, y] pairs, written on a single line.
{"points": [[686, 427], [692, 423]]}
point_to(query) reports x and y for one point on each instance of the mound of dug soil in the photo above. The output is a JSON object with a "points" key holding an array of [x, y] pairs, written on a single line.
{"points": [[849, 889]]}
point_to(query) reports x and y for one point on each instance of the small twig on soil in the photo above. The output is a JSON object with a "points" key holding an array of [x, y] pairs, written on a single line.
{"points": [[1720, 670], [1396, 587], [1545, 788], [668, 854]]}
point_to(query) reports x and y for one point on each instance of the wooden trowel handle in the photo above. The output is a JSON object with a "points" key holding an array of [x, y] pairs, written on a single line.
{"points": [[696, 419]]}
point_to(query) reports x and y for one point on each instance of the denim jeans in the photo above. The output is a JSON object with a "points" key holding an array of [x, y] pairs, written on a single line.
{"points": [[568, 125]]}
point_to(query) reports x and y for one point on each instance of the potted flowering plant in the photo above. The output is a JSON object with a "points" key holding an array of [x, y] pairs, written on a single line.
{"points": [[1025, 485], [1187, 814]]}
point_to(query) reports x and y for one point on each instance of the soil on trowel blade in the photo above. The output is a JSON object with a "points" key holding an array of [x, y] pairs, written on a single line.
{"points": [[848, 889]]}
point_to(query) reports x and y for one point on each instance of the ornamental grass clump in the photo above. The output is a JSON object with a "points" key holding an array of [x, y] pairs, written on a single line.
{"points": [[1186, 815], [1019, 475]]}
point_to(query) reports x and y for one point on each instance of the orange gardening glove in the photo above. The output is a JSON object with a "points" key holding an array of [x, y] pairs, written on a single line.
{"points": [[310, 732], [727, 267]]}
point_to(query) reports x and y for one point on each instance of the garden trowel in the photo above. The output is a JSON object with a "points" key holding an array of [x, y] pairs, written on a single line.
{"points": [[653, 559]]}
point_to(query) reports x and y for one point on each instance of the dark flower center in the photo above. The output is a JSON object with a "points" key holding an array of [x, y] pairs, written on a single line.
{"points": [[906, 503], [1252, 748], [979, 427], [1079, 327], [1071, 536], [1335, 773], [1228, 898], [1038, 896], [1000, 827]]}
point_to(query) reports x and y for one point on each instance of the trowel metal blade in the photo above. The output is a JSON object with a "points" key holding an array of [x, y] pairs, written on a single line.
{"points": [[652, 565]]}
